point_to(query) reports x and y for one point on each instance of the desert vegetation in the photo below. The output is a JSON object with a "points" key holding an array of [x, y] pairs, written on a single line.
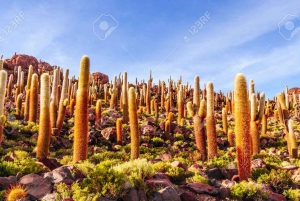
{"points": [[85, 139]]}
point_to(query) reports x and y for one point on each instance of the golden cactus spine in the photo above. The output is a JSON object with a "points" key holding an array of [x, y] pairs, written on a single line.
{"points": [[27, 102], [190, 109], [264, 124], [43, 142], [230, 137], [212, 148], [72, 106], [19, 107], [125, 99], [63, 102], [242, 127], [119, 131], [54, 99], [81, 112], [133, 121], [3, 79], [16, 192], [29, 77], [33, 100], [253, 126]]}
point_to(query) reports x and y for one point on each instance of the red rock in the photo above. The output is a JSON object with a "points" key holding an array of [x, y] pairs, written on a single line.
{"points": [[275, 197], [132, 195], [229, 173], [188, 196], [200, 188], [167, 194], [148, 130], [224, 193], [100, 76], [60, 175], [109, 133], [36, 185], [50, 163], [165, 156], [5, 182], [214, 173], [152, 183], [258, 163], [179, 164]]}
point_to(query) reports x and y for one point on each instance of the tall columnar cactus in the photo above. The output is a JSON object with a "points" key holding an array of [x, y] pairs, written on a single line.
{"points": [[180, 104], [33, 105], [162, 97], [29, 77], [119, 131], [18, 85], [72, 106], [264, 124], [54, 99], [125, 99], [3, 79], [292, 140], [81, 112], [44, 122], [230, 137], [148, 96], [255, 120], [200, 129], [1, 63], [196, 95], [9, 85], [113, 93], [134, 128], [98, 114], [63, 102], [190, 109], [224, 120], [242, 127], [212, 148], [27, 102], [19, 107]]}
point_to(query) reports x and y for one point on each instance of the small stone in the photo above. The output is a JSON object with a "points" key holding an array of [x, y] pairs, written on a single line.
{"points": [[167, 194], [188, 196]]}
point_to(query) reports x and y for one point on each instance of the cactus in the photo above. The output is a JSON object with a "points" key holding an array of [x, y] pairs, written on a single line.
{"points": [[72, 105], [212, 148], [19, 107], [113, 93], [63, 102], [242, 127], [224, 121], [54, 100], [180, 104], [196, 95], [33, 104], [200, 130], [292, 140], [1, 63], [133, 121], [190, 109], [119, 131], [264, 124], [125, 99], [276, 117], [29, 77], [230, 137], [81, 112], [98, 114], [162, 95], [3, 78], [43, 142], [16, 192], [9, 85]]}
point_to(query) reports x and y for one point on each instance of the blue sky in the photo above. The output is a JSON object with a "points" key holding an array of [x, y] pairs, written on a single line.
{"points": [[215, 40]]}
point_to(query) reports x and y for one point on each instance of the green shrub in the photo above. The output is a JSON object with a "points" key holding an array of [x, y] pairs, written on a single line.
{"points": [[280, 180], [157, 141], [136, 170], [176, 174], [224, 161], [273, 162], [178, 136], [197, 178], [292, 194], [2, 195], [161, 166], [105, 181], [258, 172], [108, 155], [247, 190], [22, 163]]}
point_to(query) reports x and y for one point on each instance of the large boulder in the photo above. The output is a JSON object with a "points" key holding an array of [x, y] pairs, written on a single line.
{"points": [[100, 76]]}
